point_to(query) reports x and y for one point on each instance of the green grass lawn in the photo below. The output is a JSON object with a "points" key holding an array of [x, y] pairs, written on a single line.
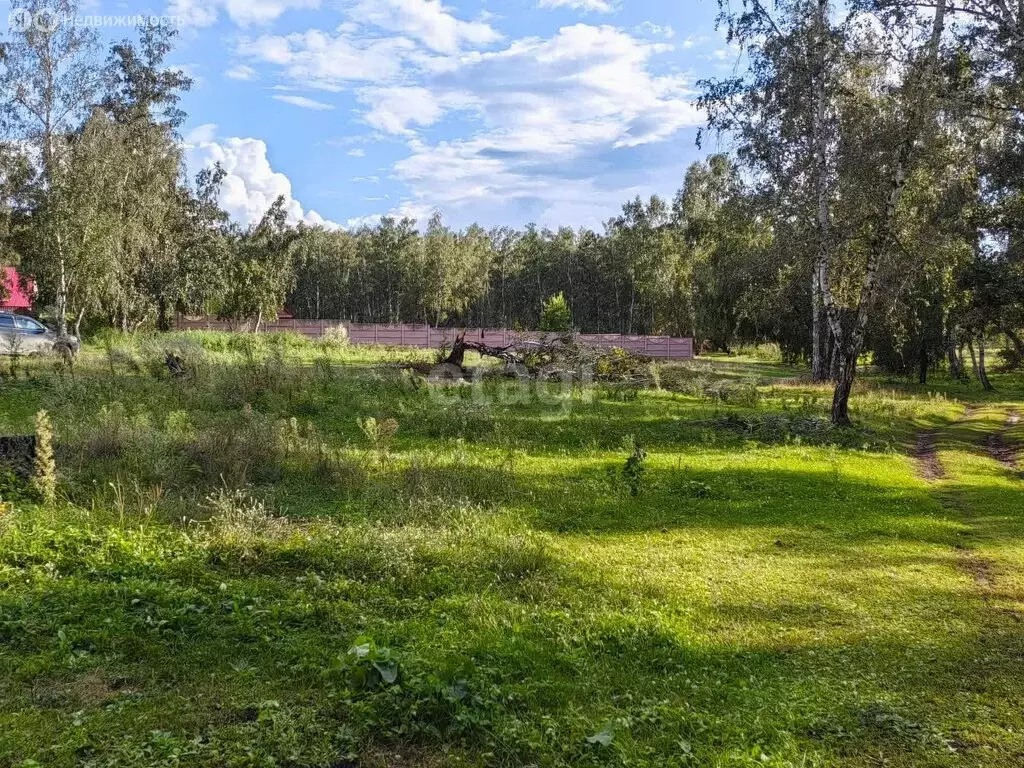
{"points": [[243, 571]]}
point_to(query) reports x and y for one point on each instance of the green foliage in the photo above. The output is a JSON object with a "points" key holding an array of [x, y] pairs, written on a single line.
{"points": [[555, 316], [765, 353], [261, 272], [635, 468]]}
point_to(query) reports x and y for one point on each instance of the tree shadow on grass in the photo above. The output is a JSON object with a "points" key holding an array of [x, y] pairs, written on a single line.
{"points": [[546, 659]]}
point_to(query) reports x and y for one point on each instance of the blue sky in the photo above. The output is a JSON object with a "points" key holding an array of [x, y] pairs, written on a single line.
{"points": [[501, 113]]}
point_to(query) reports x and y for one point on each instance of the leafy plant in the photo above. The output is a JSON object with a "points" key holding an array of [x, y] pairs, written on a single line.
{"points": [[369, 666], [635, 468]]}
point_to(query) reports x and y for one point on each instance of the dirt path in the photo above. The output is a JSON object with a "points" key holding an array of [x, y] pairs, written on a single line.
{"points": [[927, 457], [930, 468], [926, 453], [1001, 449]]}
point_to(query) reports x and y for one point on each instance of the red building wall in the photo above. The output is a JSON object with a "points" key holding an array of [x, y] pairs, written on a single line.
{"points": [[15, 296]]}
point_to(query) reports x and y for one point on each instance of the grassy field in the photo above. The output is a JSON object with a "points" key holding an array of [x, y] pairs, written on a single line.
{"points": [[303, 555]]}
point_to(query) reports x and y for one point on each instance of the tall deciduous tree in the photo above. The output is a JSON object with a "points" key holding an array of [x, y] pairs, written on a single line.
{"points": [[49, 78], [800, 117], [261, 273]]}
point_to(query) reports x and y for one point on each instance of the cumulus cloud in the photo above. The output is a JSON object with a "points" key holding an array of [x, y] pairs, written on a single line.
{"points": [[250, 185], [596, 6], [428, 21], [551, 126], [193, 13], [583, 86], [304, 102], [204, 13]]}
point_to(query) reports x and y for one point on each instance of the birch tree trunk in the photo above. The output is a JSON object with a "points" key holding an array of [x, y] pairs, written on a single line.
{"points": [[819, 367], [61, 299]]}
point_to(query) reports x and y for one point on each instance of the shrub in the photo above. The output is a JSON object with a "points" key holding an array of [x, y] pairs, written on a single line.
{"points": [[286, 340], [334, 336], [744, 394], [682, 377], [619, 363], [119, 356], [344, 471], [635, 467], [555, 316], [106, 439], [239, 522], [254, 379], [380, 433], [765, 353]]}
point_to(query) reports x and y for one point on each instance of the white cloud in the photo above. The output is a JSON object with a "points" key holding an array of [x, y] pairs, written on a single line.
{"points": [[551, 120], [428, 21], [304, 102], [596, 6], [319, 59], [314, 219], [554, 111], [250, 185], [348, 141], [241, 72], [203, 13], [728, 54], [193, 13], [656, 30], [394, 109], [202, 134], [585, 86]]}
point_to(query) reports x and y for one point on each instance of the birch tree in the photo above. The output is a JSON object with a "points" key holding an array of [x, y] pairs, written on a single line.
{"points": [[799, 116], [916, 104], [784, 112], [49, 78]]}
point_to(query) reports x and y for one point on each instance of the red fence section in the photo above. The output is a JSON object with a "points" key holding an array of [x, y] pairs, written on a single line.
{"points": [[426, 337]]}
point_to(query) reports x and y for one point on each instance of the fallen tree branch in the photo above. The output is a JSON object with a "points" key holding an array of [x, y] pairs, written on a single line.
{"points": [[562, 355]]}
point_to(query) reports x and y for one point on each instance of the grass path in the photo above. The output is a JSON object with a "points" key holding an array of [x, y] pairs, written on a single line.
{"points": [[972, 468]]}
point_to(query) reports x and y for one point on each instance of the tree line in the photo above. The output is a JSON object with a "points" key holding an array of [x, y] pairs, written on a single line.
{"points": [[870, 203]]}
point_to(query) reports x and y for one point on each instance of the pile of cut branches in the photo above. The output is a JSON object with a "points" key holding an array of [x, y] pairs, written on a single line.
{"points": [[561, 356]]}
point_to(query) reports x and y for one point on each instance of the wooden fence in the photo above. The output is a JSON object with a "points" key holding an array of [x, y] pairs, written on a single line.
{"points": [[426, 337]]}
